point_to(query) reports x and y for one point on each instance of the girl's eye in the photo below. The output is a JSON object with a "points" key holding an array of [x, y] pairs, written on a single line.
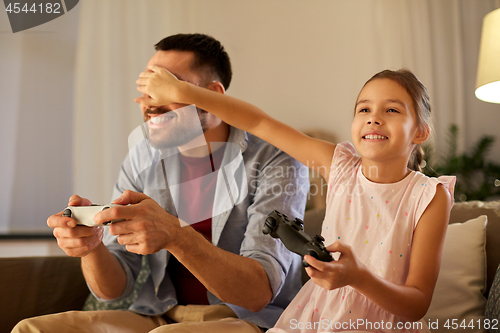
{"points": [[393, 110], [363, 110]]}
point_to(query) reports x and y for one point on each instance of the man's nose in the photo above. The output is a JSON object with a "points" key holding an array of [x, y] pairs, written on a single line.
{"points": [[149, 107]]}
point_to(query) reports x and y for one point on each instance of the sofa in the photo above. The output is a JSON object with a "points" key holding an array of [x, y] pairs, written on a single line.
{"points": [[466, 289]]}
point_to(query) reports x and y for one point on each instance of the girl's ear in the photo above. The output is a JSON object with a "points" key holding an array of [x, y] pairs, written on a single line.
{"points": [[217, 87], [422, 135]]}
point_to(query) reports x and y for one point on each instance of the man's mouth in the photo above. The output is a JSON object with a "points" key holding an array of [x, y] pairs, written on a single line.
{"points": [[158, 119]]}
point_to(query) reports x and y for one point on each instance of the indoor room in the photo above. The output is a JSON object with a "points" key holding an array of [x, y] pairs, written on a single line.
{"points": [[67, 112]]}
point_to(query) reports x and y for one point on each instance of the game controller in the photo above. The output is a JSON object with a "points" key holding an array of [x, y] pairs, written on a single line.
{"points": [[84, 215], [292, 234]]}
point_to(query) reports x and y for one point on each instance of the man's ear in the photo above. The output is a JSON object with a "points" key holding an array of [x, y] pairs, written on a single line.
{"points": [[217, 87], [422, 135]]}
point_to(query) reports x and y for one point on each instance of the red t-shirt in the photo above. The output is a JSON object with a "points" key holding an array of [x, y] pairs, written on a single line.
{"points": [[198, 177]]}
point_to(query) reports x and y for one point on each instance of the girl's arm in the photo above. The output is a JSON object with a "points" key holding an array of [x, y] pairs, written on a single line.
{"points": [[411, 300], [160, 87]]}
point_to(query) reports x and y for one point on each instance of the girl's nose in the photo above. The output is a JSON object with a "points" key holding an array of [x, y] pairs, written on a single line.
{"points": [[374, 118]]}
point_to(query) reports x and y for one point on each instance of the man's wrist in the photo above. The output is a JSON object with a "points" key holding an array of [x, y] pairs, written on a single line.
{"points": [[186, 238], [96, 252], [182, 241]]}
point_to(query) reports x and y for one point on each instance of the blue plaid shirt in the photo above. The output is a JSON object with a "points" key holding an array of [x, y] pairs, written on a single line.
{"points": [[259, 179]]}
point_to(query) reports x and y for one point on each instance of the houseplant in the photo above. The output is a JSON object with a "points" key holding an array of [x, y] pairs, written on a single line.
{"points": [[477, 178]]}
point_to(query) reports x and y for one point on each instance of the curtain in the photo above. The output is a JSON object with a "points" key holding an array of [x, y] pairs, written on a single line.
{"points": [[36, 116], [303, 62]]}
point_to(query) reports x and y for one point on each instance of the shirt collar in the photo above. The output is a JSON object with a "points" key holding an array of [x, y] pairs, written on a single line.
{"points": [[238, 137]]}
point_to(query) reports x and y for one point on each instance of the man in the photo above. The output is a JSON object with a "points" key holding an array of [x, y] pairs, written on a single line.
{"points": [[210, 267]]}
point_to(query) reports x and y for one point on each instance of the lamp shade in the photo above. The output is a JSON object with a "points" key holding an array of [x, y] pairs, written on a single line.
{"points": [[488, 71]]}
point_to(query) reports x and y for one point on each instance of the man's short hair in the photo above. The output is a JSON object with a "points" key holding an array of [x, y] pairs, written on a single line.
{"points": [[208, 53]]}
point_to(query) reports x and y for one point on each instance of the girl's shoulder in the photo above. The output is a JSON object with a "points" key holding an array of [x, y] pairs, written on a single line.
{"points": [[425, 187], [344, 154], [430, 183], [344, 149], [344, 161]]}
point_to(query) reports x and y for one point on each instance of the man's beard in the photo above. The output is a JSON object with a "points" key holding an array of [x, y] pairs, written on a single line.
{"points": [[188, 125]]}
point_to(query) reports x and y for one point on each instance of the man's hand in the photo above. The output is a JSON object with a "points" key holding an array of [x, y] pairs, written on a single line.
{"points": [[158, 87], [148, 227], [76, 241]]}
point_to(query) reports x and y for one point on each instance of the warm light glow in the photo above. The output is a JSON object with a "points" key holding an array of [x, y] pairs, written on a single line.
{"points": [[489, 91], [488, 71]]}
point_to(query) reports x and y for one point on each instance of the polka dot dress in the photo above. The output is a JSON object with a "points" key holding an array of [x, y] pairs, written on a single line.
{"points": [[377, 221]]}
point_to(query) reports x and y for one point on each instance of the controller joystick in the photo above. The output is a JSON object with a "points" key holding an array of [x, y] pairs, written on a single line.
{"points": [[84, 215], [292, 234]]}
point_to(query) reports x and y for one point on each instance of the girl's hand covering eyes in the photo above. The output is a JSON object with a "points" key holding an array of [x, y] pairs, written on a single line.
{"points": [[158, 86]]}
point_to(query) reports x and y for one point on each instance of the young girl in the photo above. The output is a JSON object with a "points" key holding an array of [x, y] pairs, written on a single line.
{"points": [[385, 218]]}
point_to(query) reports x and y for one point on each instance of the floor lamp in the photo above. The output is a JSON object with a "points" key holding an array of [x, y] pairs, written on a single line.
{"points": [[488, 72]]}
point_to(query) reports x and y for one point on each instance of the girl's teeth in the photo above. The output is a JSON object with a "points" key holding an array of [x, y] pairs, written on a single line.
{"points": [[373, 137]]}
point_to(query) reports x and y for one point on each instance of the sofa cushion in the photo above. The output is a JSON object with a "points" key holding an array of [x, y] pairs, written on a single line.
{"points": [[36, 286], [462, 278], [463, 211]]}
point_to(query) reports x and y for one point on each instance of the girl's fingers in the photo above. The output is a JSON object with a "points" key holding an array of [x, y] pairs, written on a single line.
{"points": [[315, 263], [145, 100], [145, 74], [142, 89], [157, 69], [339, 247], [154, 68]]}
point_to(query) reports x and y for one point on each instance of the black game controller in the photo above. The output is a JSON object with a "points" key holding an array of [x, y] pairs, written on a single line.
{"points": [[292, 234]]}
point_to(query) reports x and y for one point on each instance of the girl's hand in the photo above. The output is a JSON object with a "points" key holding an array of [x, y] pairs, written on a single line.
{"points": [[335, 274], [158, 87]]}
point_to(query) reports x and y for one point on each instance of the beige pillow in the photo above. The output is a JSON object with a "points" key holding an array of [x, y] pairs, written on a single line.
{"points": [[463, 211], [458, 297]]}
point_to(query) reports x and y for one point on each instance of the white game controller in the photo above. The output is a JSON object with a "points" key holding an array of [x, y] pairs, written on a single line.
{"points": [[84, 215]]}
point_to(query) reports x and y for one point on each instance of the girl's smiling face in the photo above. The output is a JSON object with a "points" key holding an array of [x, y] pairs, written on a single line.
{"points": [[385, 127]]}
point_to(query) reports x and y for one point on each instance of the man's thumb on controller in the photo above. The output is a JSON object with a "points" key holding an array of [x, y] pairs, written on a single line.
{"points": [[130, 197]]}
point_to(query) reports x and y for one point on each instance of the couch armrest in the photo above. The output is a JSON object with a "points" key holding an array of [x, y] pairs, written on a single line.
{"points": [[37, 286]]}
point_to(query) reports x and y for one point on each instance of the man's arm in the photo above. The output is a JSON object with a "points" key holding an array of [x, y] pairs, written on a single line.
{"points": [[149, 228], [103, 273], [232, 278]]}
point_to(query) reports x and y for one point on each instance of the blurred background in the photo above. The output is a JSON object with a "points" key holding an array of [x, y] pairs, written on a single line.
{"points": [[67, 86]]}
